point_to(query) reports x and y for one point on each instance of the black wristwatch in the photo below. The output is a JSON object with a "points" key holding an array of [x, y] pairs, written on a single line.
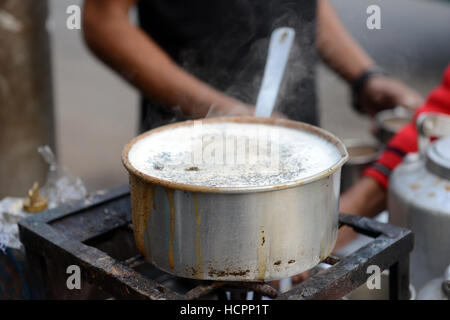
{"points": [[359, 83]]}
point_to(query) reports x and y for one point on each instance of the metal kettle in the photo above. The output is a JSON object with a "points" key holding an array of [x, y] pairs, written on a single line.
{"points": [[419, 198]]}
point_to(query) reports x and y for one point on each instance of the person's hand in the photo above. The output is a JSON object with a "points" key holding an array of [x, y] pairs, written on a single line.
{"points": [[230, 110], [238, 109], [381, 92], [278, 115]]}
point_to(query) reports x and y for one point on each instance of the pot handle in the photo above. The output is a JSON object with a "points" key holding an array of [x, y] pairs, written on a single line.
{"points": [[431, 125]]}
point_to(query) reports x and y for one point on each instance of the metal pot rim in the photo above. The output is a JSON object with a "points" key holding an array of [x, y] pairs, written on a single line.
{"points": [[268, 121]]}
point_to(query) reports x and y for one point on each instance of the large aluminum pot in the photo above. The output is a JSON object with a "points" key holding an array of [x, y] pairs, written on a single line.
{"points": [[236, 234]]}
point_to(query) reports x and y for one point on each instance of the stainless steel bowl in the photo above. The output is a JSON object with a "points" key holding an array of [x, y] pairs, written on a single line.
{"points": [[388, 122], [361, 154]]}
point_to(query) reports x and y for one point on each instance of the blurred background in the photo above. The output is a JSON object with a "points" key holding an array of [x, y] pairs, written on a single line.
{"points": [[95, 112]]}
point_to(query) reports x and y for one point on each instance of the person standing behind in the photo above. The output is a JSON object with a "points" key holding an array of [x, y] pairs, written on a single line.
{"points": [[194, 58]]}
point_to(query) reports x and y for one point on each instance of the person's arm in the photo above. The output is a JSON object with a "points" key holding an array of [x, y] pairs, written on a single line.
{"points": [[341, 52], [337, 47], [366, 198], [133, 54]]}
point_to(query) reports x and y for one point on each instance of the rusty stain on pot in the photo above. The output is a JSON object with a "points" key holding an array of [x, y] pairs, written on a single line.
{"points": [[329, 222], [169, 193], [291, 261], [141, 202], [277, 263], [193, 271], [414, 186], [447, 187], [432, 194], [261, 256], [322, 251], [198, 248], [227, 272]]}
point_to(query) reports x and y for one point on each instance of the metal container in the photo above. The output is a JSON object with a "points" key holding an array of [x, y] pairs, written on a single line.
{"points": [[419, 199], [361, 154], [237, 234], [388, 122]]}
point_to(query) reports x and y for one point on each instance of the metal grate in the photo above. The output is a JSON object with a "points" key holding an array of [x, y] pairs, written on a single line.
{"points": [[96, 235]]}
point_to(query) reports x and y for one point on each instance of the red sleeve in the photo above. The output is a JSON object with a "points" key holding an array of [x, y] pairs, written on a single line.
{"points": [[405, 141]]}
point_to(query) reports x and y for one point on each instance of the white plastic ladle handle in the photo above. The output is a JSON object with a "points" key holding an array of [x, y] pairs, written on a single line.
{"points": [[280, 46]]}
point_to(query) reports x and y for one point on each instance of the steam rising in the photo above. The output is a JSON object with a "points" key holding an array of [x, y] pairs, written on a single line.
{"points": [[238, 58]]}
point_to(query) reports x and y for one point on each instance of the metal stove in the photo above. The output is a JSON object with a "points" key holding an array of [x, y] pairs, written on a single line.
{"points": [[96, 235]]}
